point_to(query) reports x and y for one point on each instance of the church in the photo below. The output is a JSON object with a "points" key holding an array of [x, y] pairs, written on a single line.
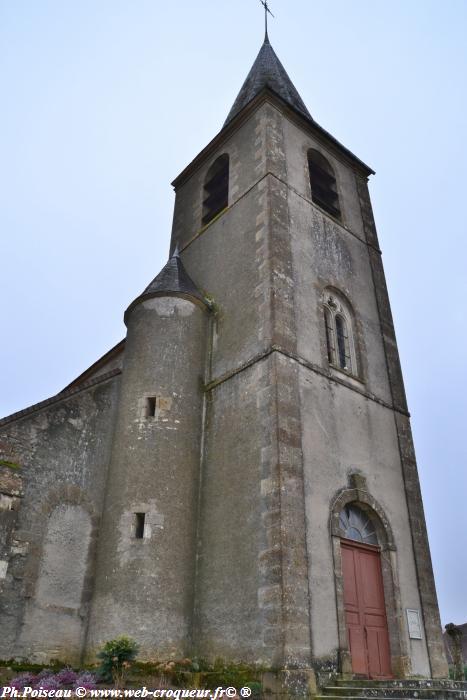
{"points": [[236, 479]]}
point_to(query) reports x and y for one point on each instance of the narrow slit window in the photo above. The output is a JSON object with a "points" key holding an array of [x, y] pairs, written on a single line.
{"points": [[330, 336], [151, 403], [342, 343], [140, 519], [216, 189], [323, 184]]}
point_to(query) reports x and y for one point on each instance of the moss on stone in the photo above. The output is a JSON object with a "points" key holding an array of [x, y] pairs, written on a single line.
{"points": [[10, 465]]}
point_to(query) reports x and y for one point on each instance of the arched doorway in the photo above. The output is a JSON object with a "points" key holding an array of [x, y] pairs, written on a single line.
{"points": [[363, 594]]}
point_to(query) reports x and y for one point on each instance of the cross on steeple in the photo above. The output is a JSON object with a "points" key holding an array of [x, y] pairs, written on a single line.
{"points": [[268, 72], [266, 10]]}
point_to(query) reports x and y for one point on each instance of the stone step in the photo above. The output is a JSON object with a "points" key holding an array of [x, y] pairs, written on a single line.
{"points": [[443, 695], [396, 690], [444, 684], [349, 697], [353, 697]]}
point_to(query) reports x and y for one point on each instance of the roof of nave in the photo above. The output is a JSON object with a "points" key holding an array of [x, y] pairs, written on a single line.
{"points": [[73, 389]]}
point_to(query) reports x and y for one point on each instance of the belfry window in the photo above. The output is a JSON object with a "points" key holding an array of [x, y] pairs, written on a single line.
{"points": [[216, 189], [339, 336], [356, 525], [323, 183]]}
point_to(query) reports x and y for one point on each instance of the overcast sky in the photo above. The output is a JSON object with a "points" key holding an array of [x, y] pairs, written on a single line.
{"points": [[104, 103]]}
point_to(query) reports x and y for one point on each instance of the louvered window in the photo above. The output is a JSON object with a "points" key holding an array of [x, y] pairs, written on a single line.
{"points": [[216, 189], [323, 184]]}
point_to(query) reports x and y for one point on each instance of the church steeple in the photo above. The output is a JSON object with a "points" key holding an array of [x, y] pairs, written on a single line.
{"points": [[268, 71]]}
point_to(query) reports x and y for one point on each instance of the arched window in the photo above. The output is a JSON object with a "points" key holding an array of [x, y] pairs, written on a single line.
{"points": [[216, 189], [355, 525], [339, 336], [323, 183]]}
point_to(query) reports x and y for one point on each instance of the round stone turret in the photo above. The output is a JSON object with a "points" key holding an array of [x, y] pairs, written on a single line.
{"points": [[145, 577]]}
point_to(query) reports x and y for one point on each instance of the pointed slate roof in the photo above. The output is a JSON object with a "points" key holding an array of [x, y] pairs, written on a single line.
{"points": [[267, 71], [173, 279]]}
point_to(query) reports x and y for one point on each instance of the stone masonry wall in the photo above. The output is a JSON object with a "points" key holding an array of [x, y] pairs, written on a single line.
{"points": [[62, 451]]}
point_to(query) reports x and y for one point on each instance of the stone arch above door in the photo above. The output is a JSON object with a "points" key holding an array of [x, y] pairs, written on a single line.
{"points": [[369, 504]]}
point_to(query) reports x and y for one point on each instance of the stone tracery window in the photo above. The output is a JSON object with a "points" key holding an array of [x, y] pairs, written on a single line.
{"points": [[339, 335], [356, 525]]}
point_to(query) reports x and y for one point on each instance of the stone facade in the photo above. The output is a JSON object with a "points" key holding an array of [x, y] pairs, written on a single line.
{"points": [[62, 450], [225, 426]]}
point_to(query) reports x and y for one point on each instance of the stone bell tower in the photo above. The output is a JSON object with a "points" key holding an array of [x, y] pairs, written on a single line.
{"points": [[312, 548]]}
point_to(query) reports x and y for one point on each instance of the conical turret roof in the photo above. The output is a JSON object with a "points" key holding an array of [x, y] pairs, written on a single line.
{"points": [[267, 71], [173, 279]]}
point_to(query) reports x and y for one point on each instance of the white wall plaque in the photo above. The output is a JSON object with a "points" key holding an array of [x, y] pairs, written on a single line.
{"points": [[414, 624]]}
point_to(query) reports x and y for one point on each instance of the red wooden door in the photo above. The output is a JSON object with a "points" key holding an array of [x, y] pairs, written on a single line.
{"points": [[365, 612]]}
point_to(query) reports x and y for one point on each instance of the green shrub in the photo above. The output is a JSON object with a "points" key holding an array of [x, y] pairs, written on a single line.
{"points": [[116, 658], [256, 688], [452, 673]]}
